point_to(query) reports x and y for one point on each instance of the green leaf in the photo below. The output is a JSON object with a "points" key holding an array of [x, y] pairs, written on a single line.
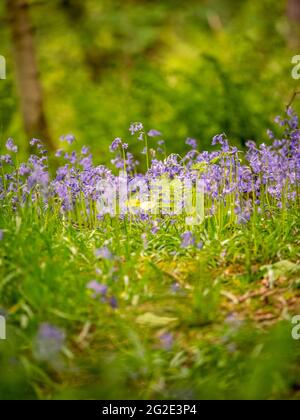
{"points": [[153, 320]]}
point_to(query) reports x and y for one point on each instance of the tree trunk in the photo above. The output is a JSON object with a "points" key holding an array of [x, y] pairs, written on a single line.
{"points": [[293, 10], [293, 13], [27, 74]]}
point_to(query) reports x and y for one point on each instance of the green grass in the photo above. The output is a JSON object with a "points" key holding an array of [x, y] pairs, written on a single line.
{"points": [[46, 264]]}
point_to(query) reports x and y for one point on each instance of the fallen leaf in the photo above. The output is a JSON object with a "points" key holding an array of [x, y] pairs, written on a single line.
{"points": [[282, 268], [153, 320]]}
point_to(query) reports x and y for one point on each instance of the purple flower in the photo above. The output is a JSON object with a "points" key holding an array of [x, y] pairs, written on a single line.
{"points": [[10, 146], [115, 144], [113, 302], [98, 288], [85, 150], [69, 138], [166, 341], [155, 227], [187, 239], [24, 170], [118, 162], [200, 245], [135, 128], [270, 134], [251, 145], [6, 159], [278, 120], [86, 163], [191, 142], [59, 153], [1, 235], [34, 142], [49, 342], [38, 177], [218, 139], [154, 133], [103, 253]]}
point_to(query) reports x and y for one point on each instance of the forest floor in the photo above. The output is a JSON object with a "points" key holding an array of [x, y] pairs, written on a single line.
{"points": [[147, 319]]}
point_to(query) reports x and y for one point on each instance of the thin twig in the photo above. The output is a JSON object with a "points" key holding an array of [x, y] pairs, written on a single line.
{"points": [[296, 93]]}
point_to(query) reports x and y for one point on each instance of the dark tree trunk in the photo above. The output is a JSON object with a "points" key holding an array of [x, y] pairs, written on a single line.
{"points": [[293, 10], [293, 13], [27, 73]]}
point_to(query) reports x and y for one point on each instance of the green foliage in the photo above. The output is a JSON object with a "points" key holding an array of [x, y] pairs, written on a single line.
{"points": [[205, 68]]}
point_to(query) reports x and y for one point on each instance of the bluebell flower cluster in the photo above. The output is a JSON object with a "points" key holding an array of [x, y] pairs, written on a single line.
{"points": [[262, 177]]}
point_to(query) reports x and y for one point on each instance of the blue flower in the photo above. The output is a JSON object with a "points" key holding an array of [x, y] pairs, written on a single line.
{"points": [[154, 133], [200, 245], [187, 239], [218, 139], [49, 342], [69, 138], [115, 144], [191, 142], [34, 142], [98, 288], [135, 128], [10, 146], [85, 150], [166, 341], [103, 253], [113, 302]]}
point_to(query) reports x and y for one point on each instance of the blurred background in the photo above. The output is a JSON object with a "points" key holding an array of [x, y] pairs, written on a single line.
{"points": [[187, 68]]}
